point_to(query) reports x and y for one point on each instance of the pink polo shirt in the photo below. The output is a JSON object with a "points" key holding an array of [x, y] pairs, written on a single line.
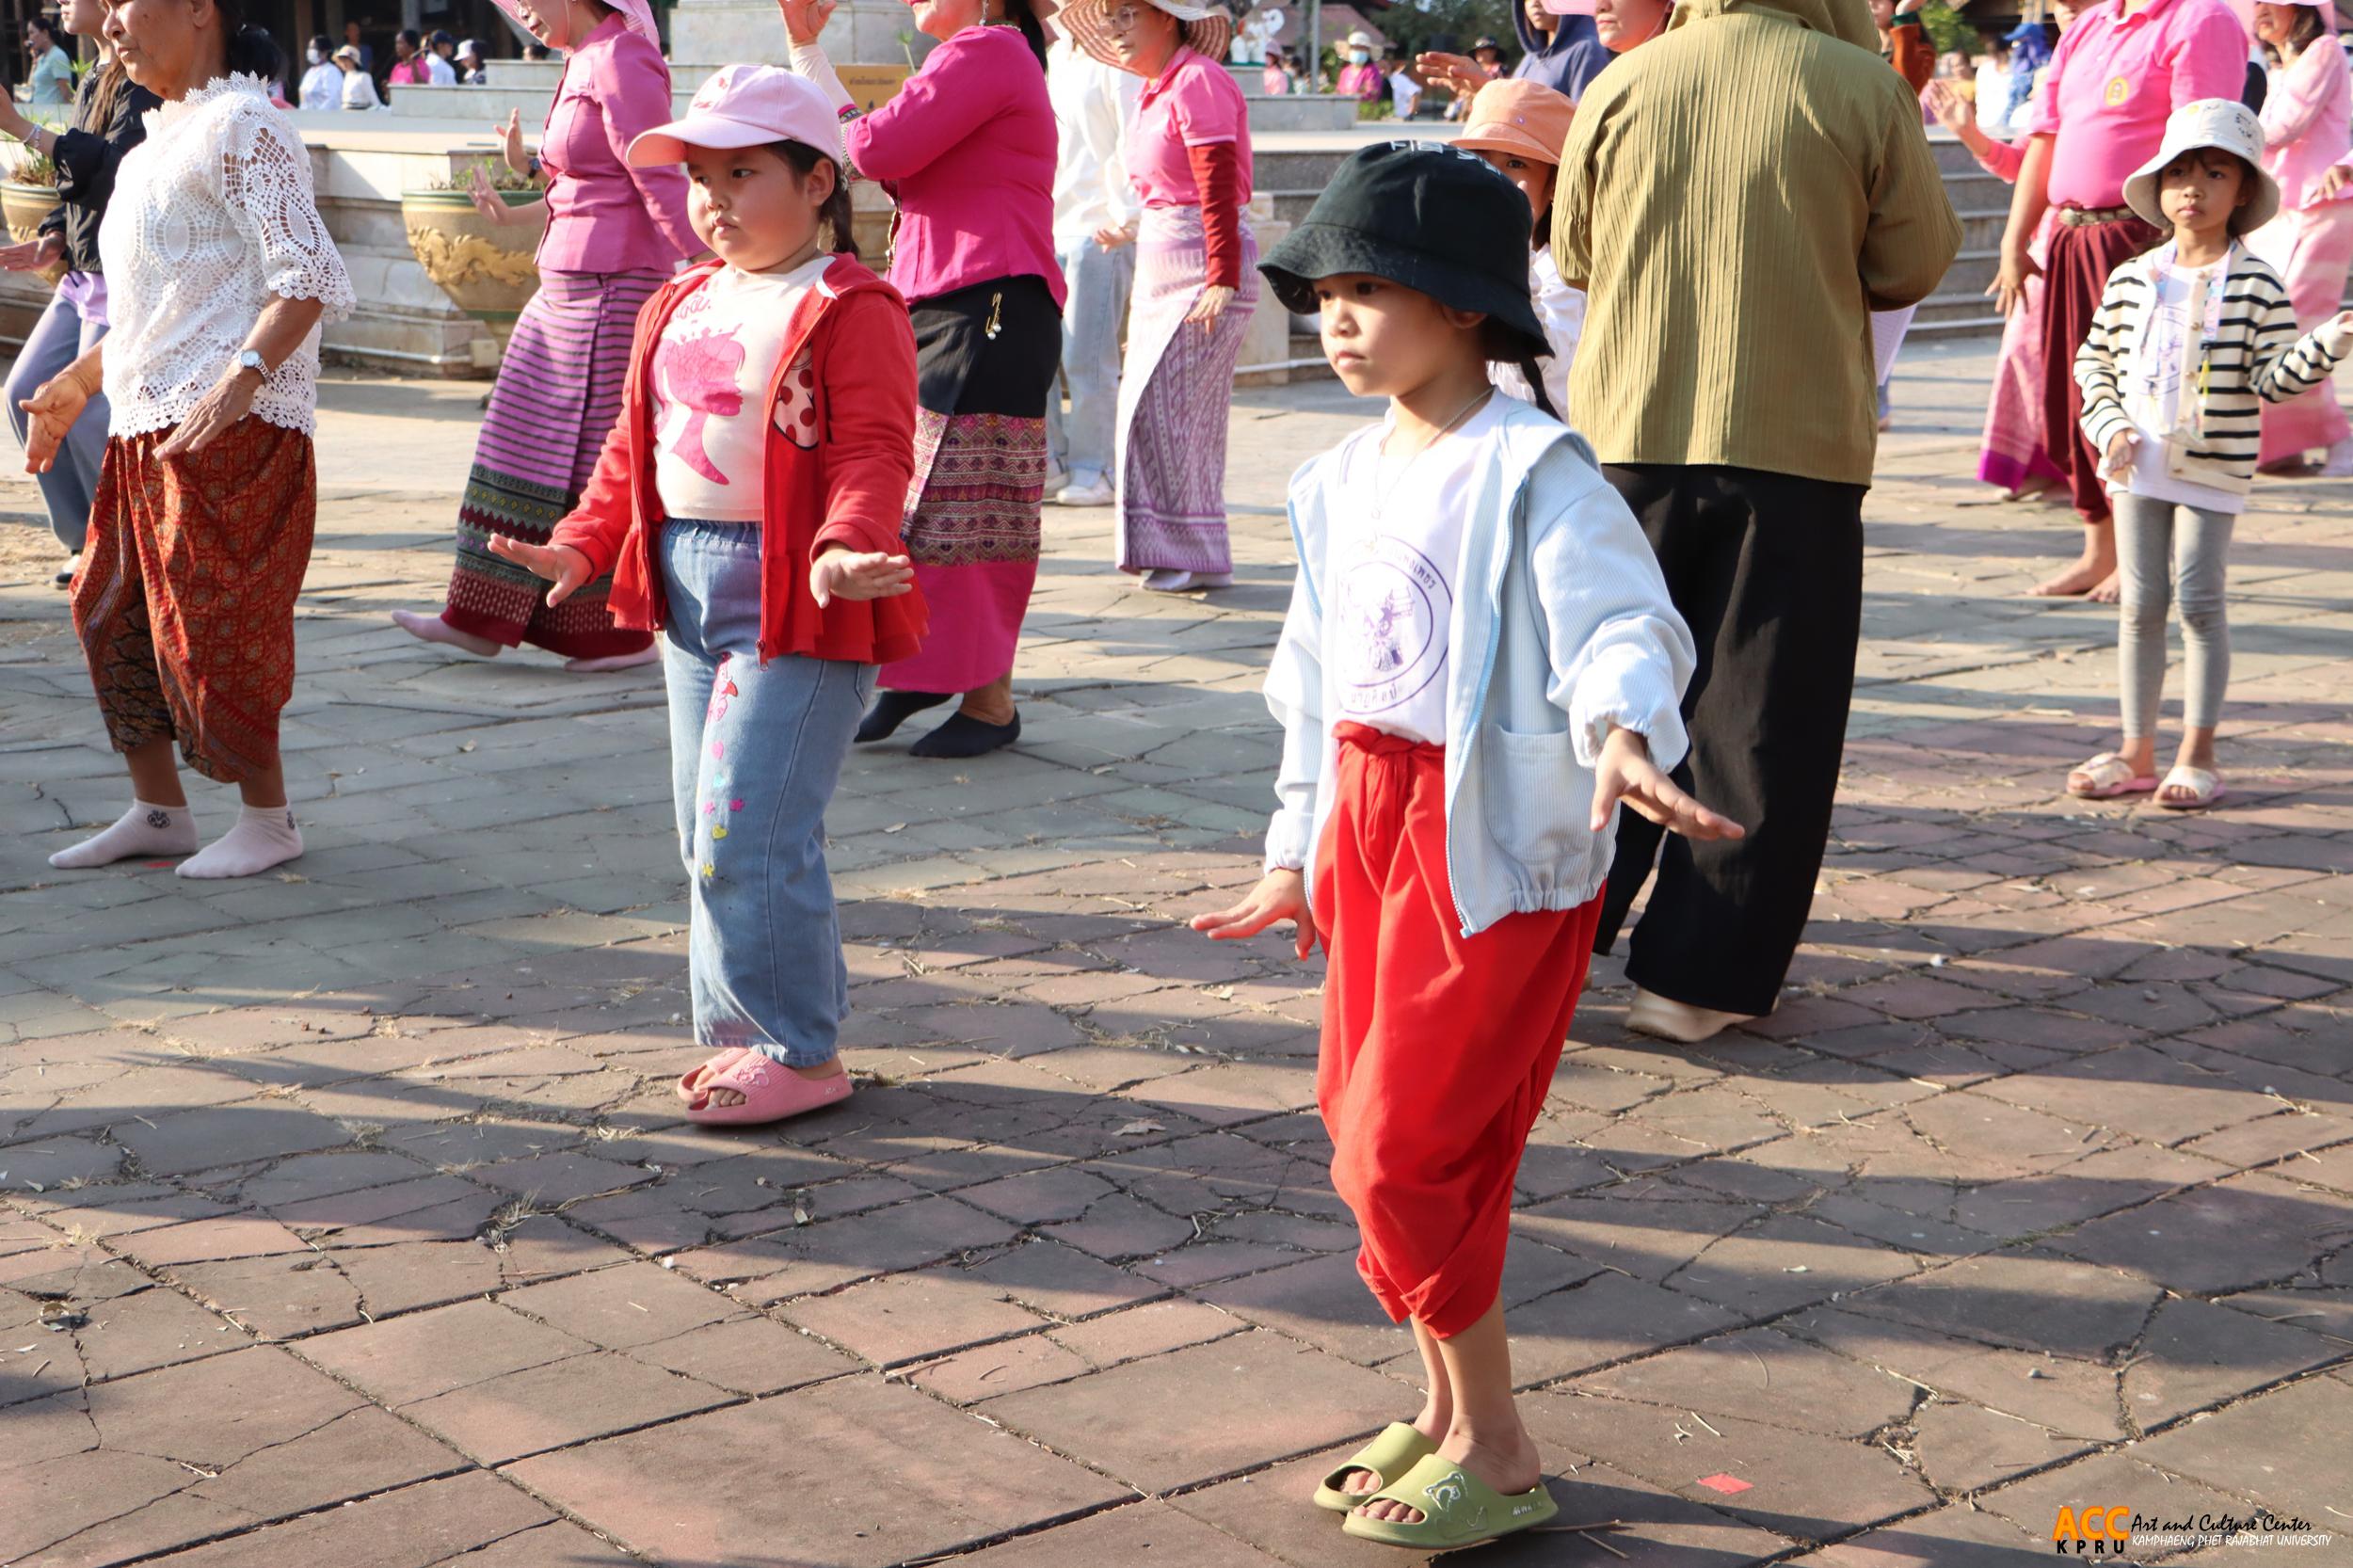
{"points": [[2113, 81], [1196, 102], [604, 216]]}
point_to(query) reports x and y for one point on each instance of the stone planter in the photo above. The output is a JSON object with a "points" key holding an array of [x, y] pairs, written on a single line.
{"points": [[24, 207], [487, 269]]}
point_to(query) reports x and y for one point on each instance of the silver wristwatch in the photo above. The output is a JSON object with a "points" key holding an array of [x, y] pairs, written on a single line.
{"points": [[250, 359]]}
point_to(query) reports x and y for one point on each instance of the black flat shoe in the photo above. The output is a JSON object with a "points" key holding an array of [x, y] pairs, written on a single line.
{"points": [[965, 736], [893, 709]]}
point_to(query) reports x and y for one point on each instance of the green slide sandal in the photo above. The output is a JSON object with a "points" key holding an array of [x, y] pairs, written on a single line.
{"points": [[1457, 1509], [1391, 1453]]}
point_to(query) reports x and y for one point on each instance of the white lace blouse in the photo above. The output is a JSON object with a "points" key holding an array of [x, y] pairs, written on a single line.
{"points": [[212, 218]]}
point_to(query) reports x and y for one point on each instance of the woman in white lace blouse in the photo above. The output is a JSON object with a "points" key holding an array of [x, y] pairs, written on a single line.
{"points": [[219, 272]]}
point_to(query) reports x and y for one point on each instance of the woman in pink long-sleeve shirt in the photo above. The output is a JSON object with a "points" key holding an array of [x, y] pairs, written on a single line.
{"points": [[614, 235], [966, 150], [2308, 127]]}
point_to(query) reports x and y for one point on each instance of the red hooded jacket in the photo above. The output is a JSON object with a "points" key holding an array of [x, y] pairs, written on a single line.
{"points": [[848, 488]]}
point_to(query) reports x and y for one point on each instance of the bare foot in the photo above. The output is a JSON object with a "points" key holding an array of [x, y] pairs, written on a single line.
{"points": [[433, 629], [1509, 1470], [2032, 488], [615, 660], [723, 1097], [2110, 589], [2076, 581]]}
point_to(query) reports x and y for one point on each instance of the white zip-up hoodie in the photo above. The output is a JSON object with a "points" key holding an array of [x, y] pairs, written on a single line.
{"points": [[1561, 628]]}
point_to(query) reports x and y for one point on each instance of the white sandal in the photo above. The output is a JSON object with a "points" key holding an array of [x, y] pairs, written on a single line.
{"points": [[2205, 788], [2109, 775]]}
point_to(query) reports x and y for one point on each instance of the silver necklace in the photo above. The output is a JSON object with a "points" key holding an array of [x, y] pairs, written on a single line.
{"points": [[1382, 490]]}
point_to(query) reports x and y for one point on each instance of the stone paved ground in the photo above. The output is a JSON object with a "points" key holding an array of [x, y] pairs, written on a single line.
{"points": [[345, 1215]]}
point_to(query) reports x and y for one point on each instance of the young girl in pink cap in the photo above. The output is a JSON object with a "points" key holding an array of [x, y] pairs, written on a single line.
{"points": [[748, 505]]}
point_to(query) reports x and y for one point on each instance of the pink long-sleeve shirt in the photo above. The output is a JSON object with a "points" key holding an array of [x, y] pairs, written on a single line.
{"points": [[967, 149], [603, 214], [2113, 81], [2308, 121]]}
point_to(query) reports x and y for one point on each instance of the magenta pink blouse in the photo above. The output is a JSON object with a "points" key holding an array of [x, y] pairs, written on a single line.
{"points": [[2308, 121], [603, 214], [1195, 103], [967, 149], [2113, 81]]}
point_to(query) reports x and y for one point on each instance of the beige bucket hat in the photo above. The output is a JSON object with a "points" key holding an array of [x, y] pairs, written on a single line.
{"points": [[2218, 122]]}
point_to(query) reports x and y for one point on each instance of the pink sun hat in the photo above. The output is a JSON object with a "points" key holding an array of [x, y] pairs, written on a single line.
{"points": [[744, 105]]}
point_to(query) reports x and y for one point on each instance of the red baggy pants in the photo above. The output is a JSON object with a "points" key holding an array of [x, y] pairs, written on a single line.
{"points": [[1438, 1049]]}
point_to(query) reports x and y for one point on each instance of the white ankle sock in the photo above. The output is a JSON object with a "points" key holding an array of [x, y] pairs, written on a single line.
{"points": [[144, 829], [264, 836]]}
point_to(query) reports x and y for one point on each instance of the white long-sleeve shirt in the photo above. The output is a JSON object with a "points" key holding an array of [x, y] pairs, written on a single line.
{"points": [[322, 87], [1092, 104]]}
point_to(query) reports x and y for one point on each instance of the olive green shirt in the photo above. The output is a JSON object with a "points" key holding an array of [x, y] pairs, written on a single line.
{"points": [[1736, 196]]}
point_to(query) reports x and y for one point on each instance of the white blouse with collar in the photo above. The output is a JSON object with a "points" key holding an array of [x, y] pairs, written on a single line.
{"points": [[212, 218]]}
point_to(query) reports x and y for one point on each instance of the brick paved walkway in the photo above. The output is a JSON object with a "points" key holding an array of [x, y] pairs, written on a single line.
{"points": [[345, 1216]]}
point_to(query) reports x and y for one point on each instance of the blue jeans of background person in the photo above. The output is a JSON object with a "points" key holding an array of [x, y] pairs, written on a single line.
{"points": [[754, 753], [1098, 281], [62, 335]]}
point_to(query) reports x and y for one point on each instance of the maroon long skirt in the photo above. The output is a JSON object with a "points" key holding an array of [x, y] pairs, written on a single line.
{"points": [[2072, 281]]}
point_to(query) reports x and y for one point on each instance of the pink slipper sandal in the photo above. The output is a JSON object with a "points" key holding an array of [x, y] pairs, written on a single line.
{"points": [[771, 1093], [2109, 775], [714, 1066]]}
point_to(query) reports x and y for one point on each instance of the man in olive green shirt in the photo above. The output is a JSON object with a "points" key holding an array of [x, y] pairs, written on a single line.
{"points": [[1736, 196]]}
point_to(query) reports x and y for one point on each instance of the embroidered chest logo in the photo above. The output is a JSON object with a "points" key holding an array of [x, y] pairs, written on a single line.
{"points": [[1394, 605], [2120, 88]]}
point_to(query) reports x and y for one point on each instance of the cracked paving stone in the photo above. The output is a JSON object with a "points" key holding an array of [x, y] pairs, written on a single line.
{"points": [[1958, 1536], [560, 1403], [1965, 1448], [2240, 1450], [2196, 1355], [469, 1521], [2032, 1299], [2075, 1398], [1764, 1376], [1145, 1533], [1247, 1397], [2246, 1231], [818, 1452]]}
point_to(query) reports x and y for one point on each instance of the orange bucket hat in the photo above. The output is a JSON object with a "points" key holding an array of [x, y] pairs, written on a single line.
{"points": [[1527, 118]]}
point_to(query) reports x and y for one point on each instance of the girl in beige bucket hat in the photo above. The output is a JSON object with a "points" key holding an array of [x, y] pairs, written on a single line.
{"points": [[2189, 341]]}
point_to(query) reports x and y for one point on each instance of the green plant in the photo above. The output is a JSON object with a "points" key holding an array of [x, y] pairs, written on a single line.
{"points": [[461, 177], [29, 168], [1948, 30]]}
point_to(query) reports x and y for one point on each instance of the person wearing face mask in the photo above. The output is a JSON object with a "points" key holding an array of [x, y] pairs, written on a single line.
{"points": [[1360, 78], [615, 232], [323, 80]]}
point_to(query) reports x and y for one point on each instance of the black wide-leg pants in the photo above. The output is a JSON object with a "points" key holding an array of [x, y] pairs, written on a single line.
{"points": [[1768, 571]]}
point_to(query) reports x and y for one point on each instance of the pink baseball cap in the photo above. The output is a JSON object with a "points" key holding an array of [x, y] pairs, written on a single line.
{"points": [[744, 105]]}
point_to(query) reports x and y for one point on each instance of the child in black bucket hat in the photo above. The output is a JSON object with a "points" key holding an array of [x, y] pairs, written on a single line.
{"points": [[1481, 662]]}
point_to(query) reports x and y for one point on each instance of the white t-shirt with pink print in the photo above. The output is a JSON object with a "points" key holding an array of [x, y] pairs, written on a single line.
{"points": [[711, 371]]}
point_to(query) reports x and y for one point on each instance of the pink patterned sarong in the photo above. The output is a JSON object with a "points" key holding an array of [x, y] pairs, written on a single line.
{"points": [[2310, 249], [2014, 452], [1173, 393]]}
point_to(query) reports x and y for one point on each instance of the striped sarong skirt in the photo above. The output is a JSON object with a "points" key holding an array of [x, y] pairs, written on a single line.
{"points": [[557, 396]]}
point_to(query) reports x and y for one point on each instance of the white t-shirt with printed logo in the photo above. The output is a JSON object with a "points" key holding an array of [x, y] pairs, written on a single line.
{"points": [[711, 371], [1394, 574]]}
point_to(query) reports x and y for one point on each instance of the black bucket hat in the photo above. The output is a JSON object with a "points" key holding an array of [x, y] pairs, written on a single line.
{"points": [[1442, 222]]}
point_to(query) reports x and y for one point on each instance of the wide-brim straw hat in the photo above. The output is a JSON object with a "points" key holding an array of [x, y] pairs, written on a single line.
{"points": [[2220, 123], [1525, 119], [1422, 213], [637, 13], [1205, 29]]}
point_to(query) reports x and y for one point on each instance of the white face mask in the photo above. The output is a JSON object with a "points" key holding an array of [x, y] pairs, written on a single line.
{"points": [[1360, 57], [317, 58]]}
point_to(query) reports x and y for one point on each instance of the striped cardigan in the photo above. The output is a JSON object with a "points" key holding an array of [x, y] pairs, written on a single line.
{"points": [[2255, 357]]}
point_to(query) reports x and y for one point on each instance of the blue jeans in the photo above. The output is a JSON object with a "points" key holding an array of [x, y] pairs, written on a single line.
{"points": [[57, 338], [1098, 281], [754, 753]]}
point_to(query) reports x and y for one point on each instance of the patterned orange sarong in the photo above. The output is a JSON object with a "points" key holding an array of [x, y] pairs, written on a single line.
{"points": [[185, 602]]}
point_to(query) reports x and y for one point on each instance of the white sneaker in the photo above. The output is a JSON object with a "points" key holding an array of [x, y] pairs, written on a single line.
{"points": [[2338, 463], [65, 573], [1666, 1020], [1096, 494], [1165, 580]]}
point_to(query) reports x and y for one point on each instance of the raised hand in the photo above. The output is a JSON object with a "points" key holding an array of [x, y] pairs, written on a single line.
{"points": [[560, 564], [1952, 111], [1626, 774], [852, 574], [1458, 73], [511, 143], [804, 19], [487, 201], [1280, 895]]}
